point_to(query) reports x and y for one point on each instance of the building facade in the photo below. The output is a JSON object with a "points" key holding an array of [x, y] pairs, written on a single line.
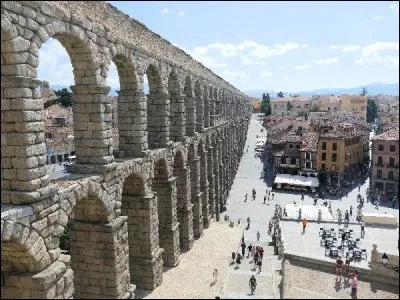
{"points": [[385, 162]]}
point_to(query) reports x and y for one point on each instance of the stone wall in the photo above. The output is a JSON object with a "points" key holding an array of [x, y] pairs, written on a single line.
{"points": [[136, 207]]}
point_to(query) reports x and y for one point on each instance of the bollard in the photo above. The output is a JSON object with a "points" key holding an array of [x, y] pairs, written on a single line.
{"points": [[300, 213], [319, 216], [339, 216]]}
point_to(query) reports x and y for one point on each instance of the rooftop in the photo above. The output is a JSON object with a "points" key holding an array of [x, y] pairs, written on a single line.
{"points": [[310, 141], [390, 135]]}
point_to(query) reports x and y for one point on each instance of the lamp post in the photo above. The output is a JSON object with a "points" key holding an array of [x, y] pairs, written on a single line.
{"points": [[385, 260]]}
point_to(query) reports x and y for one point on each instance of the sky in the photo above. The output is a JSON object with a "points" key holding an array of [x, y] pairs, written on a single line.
{"points": [[289, 46]]}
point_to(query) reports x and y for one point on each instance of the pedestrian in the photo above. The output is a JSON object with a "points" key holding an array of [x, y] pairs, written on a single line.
{"points": [[259, 263], [233, 257], [258, 236], [339, 266], [261, 253], [253, 251], [351, 210], [362, 228], [304, 224], [272, 196], [255, 259], [265, 199], [343, 238], [346, 217], [359, 187], [354, 284], [243, 248], [249, 248], [238, 257], [215, 275], [348, 259]]}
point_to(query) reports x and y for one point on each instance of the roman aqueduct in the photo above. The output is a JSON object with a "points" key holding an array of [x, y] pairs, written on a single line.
{"points": [[135, 208]]}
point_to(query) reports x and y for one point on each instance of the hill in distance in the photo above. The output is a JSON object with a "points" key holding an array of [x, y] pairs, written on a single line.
{"points": [[373, 89]]}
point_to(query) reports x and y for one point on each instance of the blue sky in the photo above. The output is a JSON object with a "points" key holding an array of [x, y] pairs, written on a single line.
{"points": [[289, 46]]}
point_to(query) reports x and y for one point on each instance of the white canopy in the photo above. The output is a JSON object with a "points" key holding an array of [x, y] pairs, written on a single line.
{"points": [[296, 180]]}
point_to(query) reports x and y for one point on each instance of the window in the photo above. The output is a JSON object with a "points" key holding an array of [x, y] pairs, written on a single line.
{"points": [[391, 161], [380, 147], [329, 108], [379, 173], [334, 147], [292, 161], [390, 175], [283, 160], [392, 148], [290, 146], [323, 166], [308, 165], [308, 155], [323, 145], [297, 146], [323, 156], [380, 161], [334, 157]]}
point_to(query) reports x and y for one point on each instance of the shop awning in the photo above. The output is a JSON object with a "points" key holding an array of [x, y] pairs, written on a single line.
{"points": [[296, 180]]}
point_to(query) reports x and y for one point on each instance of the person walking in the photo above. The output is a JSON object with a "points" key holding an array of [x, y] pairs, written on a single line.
{"points": [[215, 275], [249, 248], [243, 248], [354, 284], [252, 284], [258, 236], [343, 238], [351, 211], [253, 251], [362, 228], [233, 257], [339, 266], [265, 199], [255, 259], [346, 217], [304, 224]]}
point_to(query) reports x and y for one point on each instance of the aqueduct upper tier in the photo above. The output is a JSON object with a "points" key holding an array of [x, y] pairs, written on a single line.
{"points": [[132, 209]]}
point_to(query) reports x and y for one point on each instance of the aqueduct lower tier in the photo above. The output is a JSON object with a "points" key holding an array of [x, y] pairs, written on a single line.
{"points": [[135, 208]]}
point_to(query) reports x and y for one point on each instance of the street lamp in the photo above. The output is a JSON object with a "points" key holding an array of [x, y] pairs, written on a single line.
{"points": [[385, 260]]}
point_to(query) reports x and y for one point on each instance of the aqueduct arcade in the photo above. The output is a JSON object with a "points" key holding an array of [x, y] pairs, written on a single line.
{"points": [[135, 208]]}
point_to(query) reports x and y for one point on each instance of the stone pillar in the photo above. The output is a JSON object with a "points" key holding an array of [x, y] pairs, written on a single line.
{"points": [[190, 107], [204, 190], [145, 255], [199, 110], [177, 116], [24, 176], [169, 227], [158, 118], [100, 259], [211, 181], [93, 136], [207, 98], [132, 123], [185, 210], [216, 183], [196, 198]]}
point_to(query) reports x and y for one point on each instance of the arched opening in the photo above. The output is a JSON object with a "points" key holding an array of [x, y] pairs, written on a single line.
{"points": [[177, 108], [198, 95], [165, 187], [145, 259], [207, 106], [190, 108], [157, 110], [184, 209], [203, 184]]}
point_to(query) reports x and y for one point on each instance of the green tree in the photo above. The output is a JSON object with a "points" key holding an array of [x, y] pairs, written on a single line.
{"points": [[372, 110], [266, 104], [364, 91], [65, 97], [280, 94]]}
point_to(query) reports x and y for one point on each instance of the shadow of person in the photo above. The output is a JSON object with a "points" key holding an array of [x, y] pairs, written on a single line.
{"points": [[212, 283], [338, 282]]}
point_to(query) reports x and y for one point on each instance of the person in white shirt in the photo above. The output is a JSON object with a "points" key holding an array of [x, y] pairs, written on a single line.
{"points": [[362, 228]]}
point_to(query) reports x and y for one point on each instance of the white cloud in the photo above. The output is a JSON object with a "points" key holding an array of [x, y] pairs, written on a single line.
{"points": [[181, 13], [287, 78], [378, 18], [349, 48], [266, 74], [234, 75], [302, 67], [165, 11], [326, 61], [282, 67], [395, 8], [370, 54], [247, 61]]}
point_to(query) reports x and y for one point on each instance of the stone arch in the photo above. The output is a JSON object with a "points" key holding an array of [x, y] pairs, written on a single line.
{"points": [[23, 255], [177, 108], [165, 187], [184, 206], [157, 109], [128, 107], [145, 255], [190, 107], [207, 105], [202, 151], [199, 99]]}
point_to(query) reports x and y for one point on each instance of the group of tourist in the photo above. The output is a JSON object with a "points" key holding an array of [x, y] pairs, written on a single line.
{"points": [[342, 267]]}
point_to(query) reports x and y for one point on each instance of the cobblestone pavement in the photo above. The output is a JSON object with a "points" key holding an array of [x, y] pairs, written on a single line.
{"points": [[312, 284], [192, 278]]}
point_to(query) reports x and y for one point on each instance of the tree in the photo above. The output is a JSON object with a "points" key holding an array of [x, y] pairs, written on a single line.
{"points": [[372, 110], [280, 94], [289, 106], [364, 91], [266, 104], [65, 97]]}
